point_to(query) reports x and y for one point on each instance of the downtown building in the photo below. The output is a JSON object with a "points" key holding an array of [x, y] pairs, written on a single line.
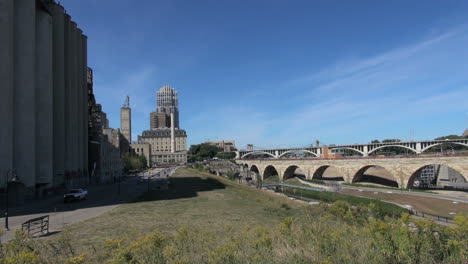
{"points": [[44, 101], [167, 142], [105, 144]]}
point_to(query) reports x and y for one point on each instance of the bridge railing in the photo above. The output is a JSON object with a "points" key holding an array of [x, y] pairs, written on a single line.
{"points": [[420, 156]]}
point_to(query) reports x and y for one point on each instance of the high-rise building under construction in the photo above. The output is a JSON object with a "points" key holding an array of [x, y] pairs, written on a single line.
{"points": [[168, 142], [167, 104]]}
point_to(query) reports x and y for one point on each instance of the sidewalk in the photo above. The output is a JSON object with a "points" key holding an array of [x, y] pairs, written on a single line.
{"points": [[101, 198]]}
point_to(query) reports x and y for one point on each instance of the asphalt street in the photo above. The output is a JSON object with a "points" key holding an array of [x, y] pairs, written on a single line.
{"points": [[100, 199]]}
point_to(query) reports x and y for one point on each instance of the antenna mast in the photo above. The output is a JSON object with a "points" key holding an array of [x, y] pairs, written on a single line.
{"points": [[127, 102]]}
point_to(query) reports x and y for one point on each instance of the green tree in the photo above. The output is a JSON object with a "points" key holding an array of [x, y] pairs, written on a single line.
{"points": [[202, 151], [224, 155], [134, 162]]}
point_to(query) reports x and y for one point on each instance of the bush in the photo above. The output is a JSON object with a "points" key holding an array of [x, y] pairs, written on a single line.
{"points": [[336, 233], [379, 208]]}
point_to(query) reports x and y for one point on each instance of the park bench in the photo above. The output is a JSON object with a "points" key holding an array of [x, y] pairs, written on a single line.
{"points": [[38, 225]]}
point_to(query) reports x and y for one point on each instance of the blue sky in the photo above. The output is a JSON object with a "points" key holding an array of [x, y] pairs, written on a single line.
{"points": [[279, 73]]}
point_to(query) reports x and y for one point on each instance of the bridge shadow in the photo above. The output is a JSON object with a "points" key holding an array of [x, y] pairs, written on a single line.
{"points": [[130, 192], [377, 180], [179, 188]]}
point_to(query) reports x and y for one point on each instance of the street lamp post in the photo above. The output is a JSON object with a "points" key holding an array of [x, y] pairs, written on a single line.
{"points": [[7, 180], [119, 184]]}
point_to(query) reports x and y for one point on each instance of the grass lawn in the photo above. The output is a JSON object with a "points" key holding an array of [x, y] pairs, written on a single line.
{"points": [[385, 187], [203, 218], [195, 199]]}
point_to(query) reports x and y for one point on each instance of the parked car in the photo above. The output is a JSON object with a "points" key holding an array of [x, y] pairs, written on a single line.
{"points": [[75, 195]]}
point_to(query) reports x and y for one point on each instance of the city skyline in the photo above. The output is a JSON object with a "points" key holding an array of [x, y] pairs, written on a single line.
{"points": [[346, 80]]}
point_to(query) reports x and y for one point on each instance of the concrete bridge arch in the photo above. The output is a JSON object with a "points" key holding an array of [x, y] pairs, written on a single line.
{"points": [[398, 146], [441, 143]]}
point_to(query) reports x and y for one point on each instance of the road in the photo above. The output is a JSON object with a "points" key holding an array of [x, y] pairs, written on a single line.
{"points": [[101, 198], [456, 198]]}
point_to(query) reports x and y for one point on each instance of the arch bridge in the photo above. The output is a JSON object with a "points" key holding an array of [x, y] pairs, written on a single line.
{"points": [[418, 147], [401, 171]]}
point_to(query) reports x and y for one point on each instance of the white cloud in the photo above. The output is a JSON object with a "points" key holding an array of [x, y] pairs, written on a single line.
{"points": [[359, 99]]}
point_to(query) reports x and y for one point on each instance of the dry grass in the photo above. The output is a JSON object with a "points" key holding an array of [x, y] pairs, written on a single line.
{"points": [[207, 219], [194, 198]]}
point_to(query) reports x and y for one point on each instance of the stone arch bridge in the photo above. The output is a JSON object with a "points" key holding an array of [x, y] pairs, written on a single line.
{"points": [[401, 170]]}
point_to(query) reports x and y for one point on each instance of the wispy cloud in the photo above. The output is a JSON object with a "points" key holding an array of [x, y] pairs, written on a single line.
{"points": [[420, 85]]}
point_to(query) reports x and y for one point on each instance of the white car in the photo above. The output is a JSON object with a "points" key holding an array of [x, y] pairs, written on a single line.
{"points": [[75, 195]]}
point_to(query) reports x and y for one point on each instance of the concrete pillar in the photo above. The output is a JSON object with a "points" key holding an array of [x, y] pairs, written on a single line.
{"points": [[59, 93], [84, 39], [365, 151], [319, 152], [238, 155], [44, 98], [25, 91], [276, 154], [73, 100], [418, 148], [6, 84], [68, 96], [79, 100]]}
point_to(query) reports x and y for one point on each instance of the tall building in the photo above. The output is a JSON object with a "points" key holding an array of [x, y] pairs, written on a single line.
{"points": [[224, 145], [126, 120], [44, 114], [105, 144], [167, 104], [168, 143], [158, 120]]}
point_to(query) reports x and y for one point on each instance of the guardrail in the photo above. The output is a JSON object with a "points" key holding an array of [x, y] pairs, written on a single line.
{"points": [[36, 225], [291, 186], [433, 217]]}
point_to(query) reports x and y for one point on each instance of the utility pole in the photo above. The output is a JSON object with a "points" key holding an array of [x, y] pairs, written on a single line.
{"points": [[119, 184], [148, 181]]}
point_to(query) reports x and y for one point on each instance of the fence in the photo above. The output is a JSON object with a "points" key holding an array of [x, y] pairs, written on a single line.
{"points": [[433, 217], [36, 225]]}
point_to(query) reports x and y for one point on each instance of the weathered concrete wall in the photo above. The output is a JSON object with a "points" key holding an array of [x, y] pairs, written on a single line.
{"points": [[7, 86], [44, 96], [24, 153], [59, 94], [401, 169], [84, 39], [44, 99]]}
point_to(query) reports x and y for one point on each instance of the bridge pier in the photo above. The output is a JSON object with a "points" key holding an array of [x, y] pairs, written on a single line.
{"points": [[365, 152]]}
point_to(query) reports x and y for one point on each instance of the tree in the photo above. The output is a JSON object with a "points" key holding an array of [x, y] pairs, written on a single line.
{"points": [[226, 155], [375, 141], [134, 162], [202, 151]]}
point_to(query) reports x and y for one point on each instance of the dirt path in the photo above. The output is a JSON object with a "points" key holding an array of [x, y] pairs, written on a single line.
{"points": [[441, 207]]}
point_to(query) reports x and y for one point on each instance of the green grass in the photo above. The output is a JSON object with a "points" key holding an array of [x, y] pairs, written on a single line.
{"points": [[385, 187], [208, 219], [271, 179], [382, 208]]}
